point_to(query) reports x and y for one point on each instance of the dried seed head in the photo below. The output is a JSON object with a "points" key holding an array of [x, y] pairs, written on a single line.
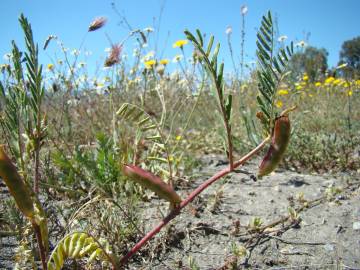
{"points": [[97, 24], [114, 56]]}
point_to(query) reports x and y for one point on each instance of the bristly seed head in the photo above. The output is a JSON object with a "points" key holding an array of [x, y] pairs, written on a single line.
{"points": [[97, 24], [114, 56]]}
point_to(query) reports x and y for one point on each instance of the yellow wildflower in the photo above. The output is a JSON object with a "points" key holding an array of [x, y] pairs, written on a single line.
{"points": [[346, 84], [317, 84], [336, 82], [50, 67], [283, 92], [278, 104], [164, 61], [180, 43], [306, 77], [357, 82], [149, 64], [178, 138], [329, 80], [299, 87], [349, 93]]}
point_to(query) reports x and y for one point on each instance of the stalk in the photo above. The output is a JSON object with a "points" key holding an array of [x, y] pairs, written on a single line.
{"points": [[189, 199]]}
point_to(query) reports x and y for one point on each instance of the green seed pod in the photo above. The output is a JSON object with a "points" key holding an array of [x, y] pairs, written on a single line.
{"points": [[152, 182], [279, 141], [17, 187]]}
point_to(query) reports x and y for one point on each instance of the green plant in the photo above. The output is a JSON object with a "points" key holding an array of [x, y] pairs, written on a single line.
{"points": [[216, 72], [27, 203], [78, 245], [146, 157], [270, 76]]}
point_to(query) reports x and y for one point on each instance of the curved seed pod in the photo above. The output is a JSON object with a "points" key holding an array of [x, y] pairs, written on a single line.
{"points": [[279, 142], [17, 187], [152, 182]]}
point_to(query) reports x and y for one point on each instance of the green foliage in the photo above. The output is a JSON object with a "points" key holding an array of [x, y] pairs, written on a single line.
{"points": [[209, 60], [350, 54], [79, 245], [98, 165], [271, 71], [323, 151], [148, 133], [22, 121], [34, 70], [82, 174], [312, 61]]}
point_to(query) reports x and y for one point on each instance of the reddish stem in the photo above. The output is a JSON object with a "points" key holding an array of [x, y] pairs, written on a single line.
{"points": [[189, 199], [42, 250]]}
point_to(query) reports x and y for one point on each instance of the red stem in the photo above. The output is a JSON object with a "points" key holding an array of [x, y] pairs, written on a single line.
{"points": [[189, 199], [42, 250]]}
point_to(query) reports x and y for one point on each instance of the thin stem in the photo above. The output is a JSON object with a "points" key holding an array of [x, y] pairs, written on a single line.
{"points": [[242, 47], [189, 199], [41, 246]]}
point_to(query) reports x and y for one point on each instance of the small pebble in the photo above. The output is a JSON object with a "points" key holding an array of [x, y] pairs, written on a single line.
{"points": [[329, 247], [356, 226]]}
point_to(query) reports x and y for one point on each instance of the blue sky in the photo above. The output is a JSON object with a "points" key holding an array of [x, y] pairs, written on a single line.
{"points": [[329, 23]]}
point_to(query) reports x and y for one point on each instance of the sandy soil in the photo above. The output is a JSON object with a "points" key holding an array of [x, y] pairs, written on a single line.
{"points": [[215, 232]]}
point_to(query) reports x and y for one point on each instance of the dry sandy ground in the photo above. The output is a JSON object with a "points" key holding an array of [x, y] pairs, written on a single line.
{"points": [[214, 231], [326, 235]]}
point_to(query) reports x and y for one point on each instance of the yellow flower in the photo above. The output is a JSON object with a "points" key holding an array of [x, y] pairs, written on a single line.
{"points": [[283, 92], [329, 80], [306, 77], [317, 84], [346, 84], [349, 93], [180, 43], [178, 138], [164, 61], [299, 87], [278, 104], [50, 67], [336, 82], [357, 82], [149, 64]]}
